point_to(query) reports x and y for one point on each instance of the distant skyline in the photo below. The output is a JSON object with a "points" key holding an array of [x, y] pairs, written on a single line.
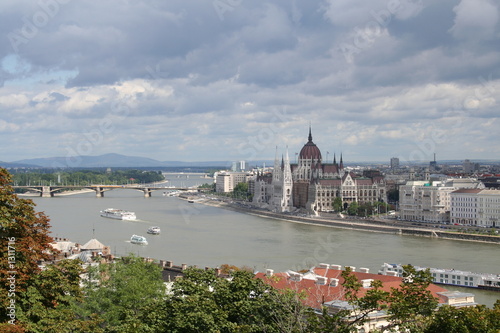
{"points": [[230, 80]]}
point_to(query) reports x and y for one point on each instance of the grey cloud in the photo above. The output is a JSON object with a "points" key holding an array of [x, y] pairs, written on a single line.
{"points": [[198, 78]]}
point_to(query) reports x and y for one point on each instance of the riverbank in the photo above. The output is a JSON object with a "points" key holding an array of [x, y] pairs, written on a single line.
{"points": [[364, 225]]}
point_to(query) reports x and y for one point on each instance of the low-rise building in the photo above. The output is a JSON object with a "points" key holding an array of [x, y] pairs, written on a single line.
{"points": [[476, 207], [225, 181]]}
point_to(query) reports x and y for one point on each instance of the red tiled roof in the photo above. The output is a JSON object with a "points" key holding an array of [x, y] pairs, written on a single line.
{"points": [[330, 168], [330, 182], [364, 181], [318, 294]]}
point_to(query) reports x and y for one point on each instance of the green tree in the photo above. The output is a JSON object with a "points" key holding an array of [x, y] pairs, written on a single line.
{"points": [[353, 208], [348, 320], [365, 209], [477, 319], [128, 296], [24, 240], [240, 191], [409, 306], [337, 204], [41, 299], [412, 303], [393, 195], [204, 302], [208, 186], [48, 302]]}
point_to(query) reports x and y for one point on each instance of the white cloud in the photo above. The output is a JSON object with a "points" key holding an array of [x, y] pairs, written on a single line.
{"points": [[476, 20]]}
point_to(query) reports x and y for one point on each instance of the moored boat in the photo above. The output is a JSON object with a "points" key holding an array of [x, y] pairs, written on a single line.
{"points": [[154, 230], [118, 214], [451, 277], [136, 239]]}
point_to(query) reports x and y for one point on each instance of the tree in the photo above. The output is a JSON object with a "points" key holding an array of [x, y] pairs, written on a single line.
{"points": [[353, 208], [348, 320], [203, 302], [412, 302], [477, 319], [48, 302], [33, 299], [128, 296], [241, 190], [393, 195], [365, 209], [337, 204], [25, 242], [409, 306]]}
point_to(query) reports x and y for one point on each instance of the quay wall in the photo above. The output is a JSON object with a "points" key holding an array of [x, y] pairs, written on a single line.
{"points": [[366, 225]]}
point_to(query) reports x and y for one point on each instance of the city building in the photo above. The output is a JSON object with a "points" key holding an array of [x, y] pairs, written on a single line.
{"points": [[394, 163], [470, 167], [239, 166], [314, 185], [429, 201], [225, 181], [476, 207]]}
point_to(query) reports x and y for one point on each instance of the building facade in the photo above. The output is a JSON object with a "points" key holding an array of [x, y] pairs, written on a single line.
{"points": [[394, 163], [313, 185], [476, 207], [225, 181], [430, 201]]}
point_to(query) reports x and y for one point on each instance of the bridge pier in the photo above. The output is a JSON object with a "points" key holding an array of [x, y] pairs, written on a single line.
{"points": [[46, 192], [147, 192], [99, 192]]}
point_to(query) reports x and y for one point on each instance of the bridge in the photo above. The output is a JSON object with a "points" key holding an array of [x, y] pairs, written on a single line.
{"points": [[47, 191]]}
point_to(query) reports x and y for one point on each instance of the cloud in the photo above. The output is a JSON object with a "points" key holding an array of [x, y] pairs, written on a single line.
{"points": [[189, 81], [476, 20]]}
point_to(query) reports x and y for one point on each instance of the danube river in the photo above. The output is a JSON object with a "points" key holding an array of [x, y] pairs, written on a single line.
{"points": [[201, 235]]}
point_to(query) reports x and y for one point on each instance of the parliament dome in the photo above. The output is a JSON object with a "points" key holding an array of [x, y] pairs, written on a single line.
{"points": [[310, 150]]}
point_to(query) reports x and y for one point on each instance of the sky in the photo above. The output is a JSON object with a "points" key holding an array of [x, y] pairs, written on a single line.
{"points": [[219, 80]]}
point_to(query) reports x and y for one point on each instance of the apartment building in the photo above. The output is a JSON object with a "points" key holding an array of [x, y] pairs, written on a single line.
{"points": [[430, 201], [476, 207], [225, 181]]}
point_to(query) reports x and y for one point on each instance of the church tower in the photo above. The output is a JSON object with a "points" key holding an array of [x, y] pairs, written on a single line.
{"points": [[287, 203], [282, 184]]}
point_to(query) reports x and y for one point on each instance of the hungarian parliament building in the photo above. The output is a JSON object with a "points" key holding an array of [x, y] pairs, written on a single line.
{"points": [[312, 185]]}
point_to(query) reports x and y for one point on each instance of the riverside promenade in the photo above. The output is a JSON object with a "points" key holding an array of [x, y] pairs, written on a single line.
{"points": [[372, 225]]}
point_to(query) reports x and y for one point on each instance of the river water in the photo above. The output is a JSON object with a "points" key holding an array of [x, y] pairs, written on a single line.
{"points": [[196, 234]]}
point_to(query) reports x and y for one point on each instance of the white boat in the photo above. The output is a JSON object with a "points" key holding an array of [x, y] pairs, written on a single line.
{"points": [[154, 230], [451, 277], [136, 239], [171, 193], [118, 214]]}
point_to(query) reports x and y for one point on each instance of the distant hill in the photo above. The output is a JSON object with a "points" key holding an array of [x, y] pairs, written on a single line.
{"points": [[111, 160], [123, 161], [8, 165]]}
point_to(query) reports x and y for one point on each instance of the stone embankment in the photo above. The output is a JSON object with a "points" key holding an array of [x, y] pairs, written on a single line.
{"points": [[366, 225]]}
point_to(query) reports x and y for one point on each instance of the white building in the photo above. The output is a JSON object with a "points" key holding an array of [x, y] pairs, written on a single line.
{"points": [[430, 201], [225, 181], [476, 207]]}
